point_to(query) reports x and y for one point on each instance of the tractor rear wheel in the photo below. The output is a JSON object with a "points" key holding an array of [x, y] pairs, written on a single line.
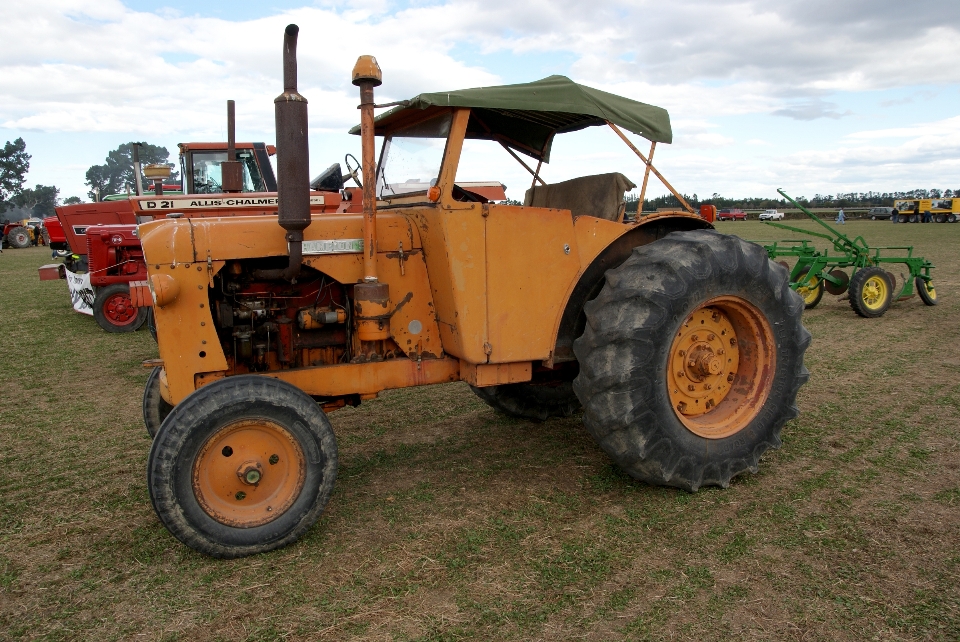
{"points": [[926, 291], [114, 310], [870, 292], [155, 409], [242, 466], [691, 359], [538, 402], [18, 237], [811, 294]]}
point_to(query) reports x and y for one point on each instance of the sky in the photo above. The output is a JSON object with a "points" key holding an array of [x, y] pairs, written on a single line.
{"points": [[813, 96]]}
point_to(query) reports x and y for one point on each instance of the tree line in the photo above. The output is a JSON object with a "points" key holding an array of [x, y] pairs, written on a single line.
{"points": [[851, 199], [114, 176], [16, 200]]}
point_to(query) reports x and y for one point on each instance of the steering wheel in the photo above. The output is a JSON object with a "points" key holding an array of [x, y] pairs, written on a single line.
{"points": [[352, 172]]}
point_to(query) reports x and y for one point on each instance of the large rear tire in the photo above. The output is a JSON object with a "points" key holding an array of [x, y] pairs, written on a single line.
{"points": [[18, 237], [243, 465], [691, 359], [114, 310], [538, 402], [155, 409]]}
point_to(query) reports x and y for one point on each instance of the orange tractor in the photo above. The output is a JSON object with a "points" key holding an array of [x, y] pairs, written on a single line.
{"points": [[683, 347]]}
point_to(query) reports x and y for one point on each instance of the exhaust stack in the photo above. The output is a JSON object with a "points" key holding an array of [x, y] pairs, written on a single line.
{"points": [[293, 169], [231, 173]]}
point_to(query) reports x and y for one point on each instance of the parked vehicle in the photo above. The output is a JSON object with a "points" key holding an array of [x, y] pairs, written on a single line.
{"points": [[771, 215], [19, 234], [731, 215], [879, 213], [683, 346], [940, 210]]}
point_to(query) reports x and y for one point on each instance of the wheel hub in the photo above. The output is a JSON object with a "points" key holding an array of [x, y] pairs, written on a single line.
{"points": [[874, 292], [704, 361], [120, 309], [262, 486], [720, 367]]}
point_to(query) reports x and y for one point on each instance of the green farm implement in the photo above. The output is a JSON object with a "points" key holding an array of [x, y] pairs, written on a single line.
{"points": [[871, 285]]}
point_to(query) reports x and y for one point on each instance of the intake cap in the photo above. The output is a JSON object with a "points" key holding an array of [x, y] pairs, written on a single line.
{"points": [[367, 70]]}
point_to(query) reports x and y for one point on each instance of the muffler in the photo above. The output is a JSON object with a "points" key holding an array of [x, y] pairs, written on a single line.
{"points": [[293, 161]]}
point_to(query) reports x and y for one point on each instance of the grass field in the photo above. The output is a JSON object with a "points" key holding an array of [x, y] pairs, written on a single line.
{"points": [[451, 522]]}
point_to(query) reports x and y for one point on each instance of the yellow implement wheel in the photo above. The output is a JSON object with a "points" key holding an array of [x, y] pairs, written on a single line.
{"points": [[248, 473], [870, 292], [810, 289], [926, 291], [720, 367]]}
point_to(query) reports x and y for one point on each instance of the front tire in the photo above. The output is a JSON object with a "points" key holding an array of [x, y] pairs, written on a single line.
{"points": [[155, 409], [243, 465], [114, 310], [691, 359]]}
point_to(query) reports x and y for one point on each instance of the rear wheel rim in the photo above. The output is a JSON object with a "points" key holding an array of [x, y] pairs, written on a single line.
{"points": [[249, 473], [720, 367], [809, 290], [874, 293], [119, 309]]}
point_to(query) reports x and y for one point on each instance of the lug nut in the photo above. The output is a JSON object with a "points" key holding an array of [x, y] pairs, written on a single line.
{"points": [[273, 459], [707, 386], [691, 387], [733, 341], [711, 337], [694, 338], [681, 374], [730, 378], [682, 406], [240, 495]]}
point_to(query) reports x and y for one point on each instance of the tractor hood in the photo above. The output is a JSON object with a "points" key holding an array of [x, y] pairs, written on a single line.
{"points": [[527, 116]]}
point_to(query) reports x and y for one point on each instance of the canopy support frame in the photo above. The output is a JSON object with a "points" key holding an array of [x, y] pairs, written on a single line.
{"points": [[651, 168]]}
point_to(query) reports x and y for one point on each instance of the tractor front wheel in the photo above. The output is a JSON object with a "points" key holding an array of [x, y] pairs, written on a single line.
{"points": [[538, 402], [114, 310], [691, 359], [155, 409], [18, 237], [870, 292], [243, 465]]}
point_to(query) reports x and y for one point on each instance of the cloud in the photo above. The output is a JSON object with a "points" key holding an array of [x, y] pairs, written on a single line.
{"points": [[811, 110]]}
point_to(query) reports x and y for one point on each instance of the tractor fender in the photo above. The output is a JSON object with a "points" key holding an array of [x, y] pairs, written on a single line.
{"points": [[591, 279]]}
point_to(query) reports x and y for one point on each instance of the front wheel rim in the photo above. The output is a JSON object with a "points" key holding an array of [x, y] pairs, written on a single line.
{"points": [[874, 293], [720, 367], [119, 310], [249, 473]]}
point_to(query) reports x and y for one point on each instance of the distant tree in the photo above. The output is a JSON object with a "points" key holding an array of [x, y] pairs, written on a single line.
{"points": [[116, 173], [14, 164], [38, 202], [72, 200]]}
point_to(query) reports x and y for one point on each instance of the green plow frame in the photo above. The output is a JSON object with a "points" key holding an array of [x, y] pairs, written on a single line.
{"points": [[815, 267]]}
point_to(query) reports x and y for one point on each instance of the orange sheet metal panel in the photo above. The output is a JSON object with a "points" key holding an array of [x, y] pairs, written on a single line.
{"points": [[532, 258], [495, 374], [454, 249], [369, 378]]}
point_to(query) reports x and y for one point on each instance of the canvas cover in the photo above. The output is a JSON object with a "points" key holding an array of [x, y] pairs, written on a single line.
{"points": [[527, 116], [600, 195]]}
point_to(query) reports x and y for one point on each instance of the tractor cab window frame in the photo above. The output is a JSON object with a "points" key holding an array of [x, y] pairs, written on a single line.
{"points": [[201, 171], [412, 157]]}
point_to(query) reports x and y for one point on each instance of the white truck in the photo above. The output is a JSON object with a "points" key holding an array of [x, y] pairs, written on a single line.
{"points": [[771, 215]]}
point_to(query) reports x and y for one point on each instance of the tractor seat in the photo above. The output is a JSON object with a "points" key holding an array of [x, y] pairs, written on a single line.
{"points": [[600, 195]]}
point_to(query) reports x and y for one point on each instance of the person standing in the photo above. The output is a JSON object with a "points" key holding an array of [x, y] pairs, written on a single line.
{"points": [[916, 213], [841, 219]]}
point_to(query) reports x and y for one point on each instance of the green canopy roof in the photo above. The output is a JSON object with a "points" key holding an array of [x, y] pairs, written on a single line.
{"points": [[528, 115]]}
